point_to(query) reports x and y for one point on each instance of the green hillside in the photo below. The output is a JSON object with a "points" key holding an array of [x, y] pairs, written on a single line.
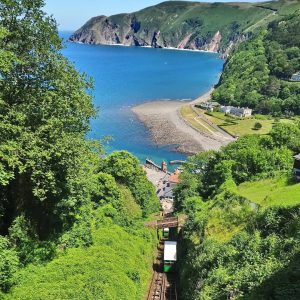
{"points": [[179, 24], [258, 73], [241, 240], [271, 192]]}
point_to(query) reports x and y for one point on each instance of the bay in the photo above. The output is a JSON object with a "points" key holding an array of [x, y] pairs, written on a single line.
{"points": [[128, 76]]}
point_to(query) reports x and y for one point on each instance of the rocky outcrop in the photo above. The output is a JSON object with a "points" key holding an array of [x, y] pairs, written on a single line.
{"points": [[102, 30], [214, 44]]}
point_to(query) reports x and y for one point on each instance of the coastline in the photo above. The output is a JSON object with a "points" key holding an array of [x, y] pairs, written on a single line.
{"points": [[147, 47], [167, 127]]}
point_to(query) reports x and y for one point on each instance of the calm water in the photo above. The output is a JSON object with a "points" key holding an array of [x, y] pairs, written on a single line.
{"points": [[127, 76]]}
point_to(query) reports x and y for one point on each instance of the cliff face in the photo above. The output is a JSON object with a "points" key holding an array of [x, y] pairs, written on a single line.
{"points": [[183, 25]]}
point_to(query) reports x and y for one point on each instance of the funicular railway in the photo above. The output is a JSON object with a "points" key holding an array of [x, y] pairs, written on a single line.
{"points": [[164, 280]]}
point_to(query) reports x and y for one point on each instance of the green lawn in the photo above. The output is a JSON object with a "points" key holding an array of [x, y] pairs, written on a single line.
{"points": [[271, 192], [246, 126], [239, 127], [192, 118]]}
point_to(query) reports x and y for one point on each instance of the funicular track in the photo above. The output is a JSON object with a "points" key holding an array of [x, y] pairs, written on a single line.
{"points": [[163, 286]]}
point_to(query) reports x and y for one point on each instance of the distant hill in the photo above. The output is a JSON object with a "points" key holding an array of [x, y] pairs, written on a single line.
{"points": [[184, 25], [260, 72]]}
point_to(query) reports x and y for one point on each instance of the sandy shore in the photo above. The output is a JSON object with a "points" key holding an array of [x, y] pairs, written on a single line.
{"points": [[167, 127]]}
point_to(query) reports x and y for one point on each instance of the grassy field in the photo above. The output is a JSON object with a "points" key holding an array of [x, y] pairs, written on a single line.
{"points": [[239, 127], [271, 192], [192, 118], [246, 126]]}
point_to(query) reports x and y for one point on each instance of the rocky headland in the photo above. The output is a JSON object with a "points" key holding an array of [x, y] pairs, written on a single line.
{"points": [[177, 24]]}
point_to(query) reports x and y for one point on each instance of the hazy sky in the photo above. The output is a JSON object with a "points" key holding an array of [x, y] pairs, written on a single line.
{"points": [[71, 14]]}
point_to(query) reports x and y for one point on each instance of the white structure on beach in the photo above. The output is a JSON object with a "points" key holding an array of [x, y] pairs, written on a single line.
{"points": [[241, 112]]}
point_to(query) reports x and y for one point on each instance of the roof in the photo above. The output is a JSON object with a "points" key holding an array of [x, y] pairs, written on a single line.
{"points": [[174, 178], [170, 251], [297, 157], [168, 192], [296, 76]]}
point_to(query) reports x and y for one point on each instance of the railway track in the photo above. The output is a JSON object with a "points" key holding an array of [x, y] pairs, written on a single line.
{"points": [[163, 286]]}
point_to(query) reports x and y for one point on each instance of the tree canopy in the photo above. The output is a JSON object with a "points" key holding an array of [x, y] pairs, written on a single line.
{"points": [[257, 74]]}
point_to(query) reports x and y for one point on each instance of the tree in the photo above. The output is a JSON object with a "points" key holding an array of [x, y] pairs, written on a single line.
{"points": [[126, 169], [45, 111], [288, 135], [257, 126]]}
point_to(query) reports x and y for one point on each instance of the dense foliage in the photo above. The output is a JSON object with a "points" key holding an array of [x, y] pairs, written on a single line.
{"points": [[240, 267], [126, 169], [116, 266], [257, 74], [249, 158], [69, 218], [233, 247]]}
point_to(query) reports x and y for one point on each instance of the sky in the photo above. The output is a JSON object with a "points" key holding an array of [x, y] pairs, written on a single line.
{"points": [[72, 14]]}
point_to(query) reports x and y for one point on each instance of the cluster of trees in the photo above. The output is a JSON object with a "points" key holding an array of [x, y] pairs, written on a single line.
{"points": [[250, 158], [232, 248], [250, 261], [56, 189], [257, 73]]}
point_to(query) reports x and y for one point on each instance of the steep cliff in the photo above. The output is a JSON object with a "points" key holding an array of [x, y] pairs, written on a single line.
{"points": [[183, 25]]}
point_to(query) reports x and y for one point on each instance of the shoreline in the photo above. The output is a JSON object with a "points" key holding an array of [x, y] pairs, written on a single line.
{"points": [[147, 47], [167, 126]]}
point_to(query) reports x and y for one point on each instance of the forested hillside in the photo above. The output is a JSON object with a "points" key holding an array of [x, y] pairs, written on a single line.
{"points": [[184, 25], [258, 72], [71, 221], [242, 238]]}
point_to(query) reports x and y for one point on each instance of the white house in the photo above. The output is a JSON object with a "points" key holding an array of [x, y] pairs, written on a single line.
{"points": [[296, 77], [241, 112], [225, 109], [297, 166]]}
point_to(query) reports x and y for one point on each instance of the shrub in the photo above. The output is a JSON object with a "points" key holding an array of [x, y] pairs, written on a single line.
{"points": [[9, 264]]}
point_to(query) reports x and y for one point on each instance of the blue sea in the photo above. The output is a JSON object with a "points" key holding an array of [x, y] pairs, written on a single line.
{"points": [[127, 76]]}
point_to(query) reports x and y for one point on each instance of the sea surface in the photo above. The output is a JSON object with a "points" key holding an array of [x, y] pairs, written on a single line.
{"points": [[128, 76]]}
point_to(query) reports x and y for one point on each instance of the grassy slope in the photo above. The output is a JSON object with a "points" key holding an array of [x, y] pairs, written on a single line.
{"points": [[224, 221], [239, 127], [172, 19], [116, 266], [177, 20], [192, 118], [271, 192]]}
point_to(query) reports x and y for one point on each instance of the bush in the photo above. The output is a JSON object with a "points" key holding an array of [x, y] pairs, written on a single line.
{"points": [[9, 264], [257, 126], [126, 169]]}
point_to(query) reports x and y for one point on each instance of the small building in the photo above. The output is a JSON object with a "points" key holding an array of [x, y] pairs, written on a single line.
{"points": [[164, 167], [240, 112], [296, 77], [209, 106], [170, 256], [174, 178], [226, 109], [168, 193], [297, 166]]}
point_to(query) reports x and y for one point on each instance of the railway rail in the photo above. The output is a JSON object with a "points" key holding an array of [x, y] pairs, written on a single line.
{"points": [[163, 285], [165, 223]]}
